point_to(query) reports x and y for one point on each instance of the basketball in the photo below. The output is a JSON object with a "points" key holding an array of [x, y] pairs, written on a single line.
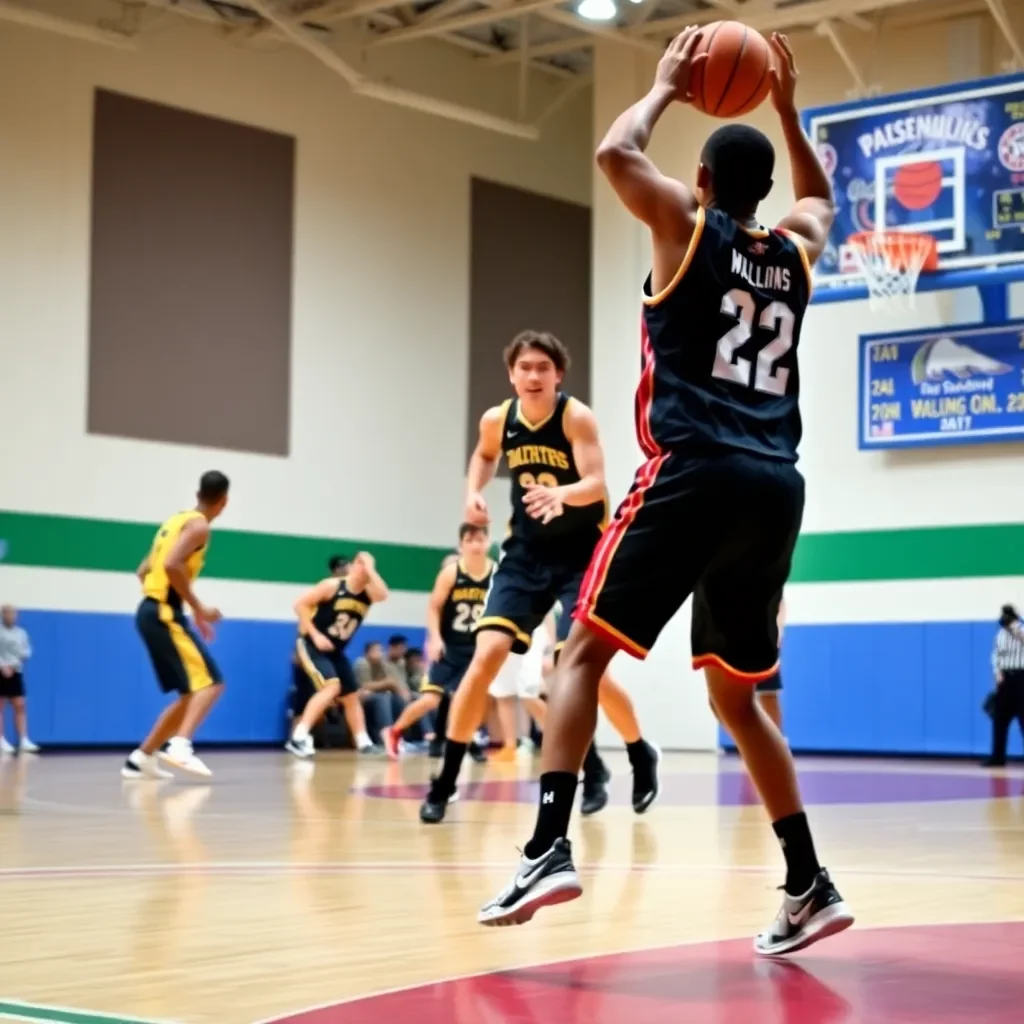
{"points": [[734, 79], [917, 186]]}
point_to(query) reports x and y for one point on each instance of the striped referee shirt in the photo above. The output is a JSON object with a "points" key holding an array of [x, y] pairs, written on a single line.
{"points": [[1008, 653]]}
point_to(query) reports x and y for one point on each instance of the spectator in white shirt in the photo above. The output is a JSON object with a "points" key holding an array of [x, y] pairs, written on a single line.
{"points": [[15, 650]]}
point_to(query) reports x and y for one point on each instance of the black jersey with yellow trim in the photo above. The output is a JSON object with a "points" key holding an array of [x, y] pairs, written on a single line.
{"points": [[342, 614], [541, 453], [719, 364], [463, 607]]}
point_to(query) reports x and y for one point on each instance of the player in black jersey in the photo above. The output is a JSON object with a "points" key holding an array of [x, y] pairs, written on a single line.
{"points": [[558, 511], [329, 614], [716, 508], [455, 606]]}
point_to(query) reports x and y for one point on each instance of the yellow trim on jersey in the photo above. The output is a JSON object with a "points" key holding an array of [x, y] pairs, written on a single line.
{"points": [[533, 426], [754, 232], [691, 251], [315, 677], [805, 259], [461, 566], [429, 687], [630, 645], [715, 661], [196, 672], [497, 622]]}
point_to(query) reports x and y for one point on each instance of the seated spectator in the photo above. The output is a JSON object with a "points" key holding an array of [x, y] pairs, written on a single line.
{"points": [[15, 650], [381, 691], [398, 645]]}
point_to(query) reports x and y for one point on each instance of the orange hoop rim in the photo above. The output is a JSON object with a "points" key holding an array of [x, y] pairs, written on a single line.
{"points": [[896, 248]]}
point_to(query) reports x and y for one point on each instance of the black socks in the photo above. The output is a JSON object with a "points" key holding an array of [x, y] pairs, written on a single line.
{"points": [[444, 784], [639, 753], [593, 766], [798, 848], [557, 793]]}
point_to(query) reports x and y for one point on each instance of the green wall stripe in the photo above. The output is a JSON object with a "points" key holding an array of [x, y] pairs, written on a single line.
{"points": [[64, 542], [67, 542], [63, 1015]]}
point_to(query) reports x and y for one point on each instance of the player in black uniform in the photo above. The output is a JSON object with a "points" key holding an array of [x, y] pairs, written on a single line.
{"points": [[456, 604], [329, 614], [716, 508], [558, 511]]}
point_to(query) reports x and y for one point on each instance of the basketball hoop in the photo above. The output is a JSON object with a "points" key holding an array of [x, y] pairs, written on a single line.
{"points": [[891, 262]]}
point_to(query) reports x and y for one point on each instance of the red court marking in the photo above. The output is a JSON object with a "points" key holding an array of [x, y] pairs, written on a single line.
{"points": [[949, 974]]}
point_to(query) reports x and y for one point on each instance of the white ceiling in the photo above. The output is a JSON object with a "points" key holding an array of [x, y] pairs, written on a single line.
{"points": [[545, 37]]}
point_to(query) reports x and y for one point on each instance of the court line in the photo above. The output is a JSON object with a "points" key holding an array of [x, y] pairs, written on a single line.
{"points": [[37, 1012], [576, 958], [255, 868]]}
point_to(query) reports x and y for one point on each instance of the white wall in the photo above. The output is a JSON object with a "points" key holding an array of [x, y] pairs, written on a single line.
{"points": [[847, 489], [381, 278]]}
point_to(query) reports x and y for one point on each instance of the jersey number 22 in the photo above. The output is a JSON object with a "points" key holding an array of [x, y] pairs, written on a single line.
{"points": [[777, 317]]}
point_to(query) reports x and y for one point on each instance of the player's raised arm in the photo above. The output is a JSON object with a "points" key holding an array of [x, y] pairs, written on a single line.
{"points": [[811, 218], [666, 206], [364, 576], [482, 465], [435, 605]]}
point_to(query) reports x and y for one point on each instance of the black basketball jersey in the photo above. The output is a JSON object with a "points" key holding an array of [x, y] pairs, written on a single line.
{"points": [[719, 364], [464, 605], [342, 615], [541, 453]]}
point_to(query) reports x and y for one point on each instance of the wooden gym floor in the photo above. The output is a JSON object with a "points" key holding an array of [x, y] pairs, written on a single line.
{"points": [[310, 893]]}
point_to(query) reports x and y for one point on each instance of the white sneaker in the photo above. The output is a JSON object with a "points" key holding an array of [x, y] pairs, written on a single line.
{"points": [[303, 748], [140, 765], [27, 746], [179, 754], [5, 747]]}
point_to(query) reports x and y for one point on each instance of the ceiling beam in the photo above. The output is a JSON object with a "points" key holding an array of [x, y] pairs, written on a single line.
{"points": [[63, 26], [1002, 19], [551, 49], [461, 21], [765, 19], [593, 28]]}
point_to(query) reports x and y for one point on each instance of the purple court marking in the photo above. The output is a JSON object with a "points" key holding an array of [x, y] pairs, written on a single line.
{"points": [[733, 789], [950, 974]]}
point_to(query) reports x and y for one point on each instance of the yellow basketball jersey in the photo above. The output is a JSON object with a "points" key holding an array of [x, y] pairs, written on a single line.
{"points": [[156, 584]]}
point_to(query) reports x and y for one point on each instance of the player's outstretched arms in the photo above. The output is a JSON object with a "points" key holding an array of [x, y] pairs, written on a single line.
{"points": [[811, 218], [665, 205]]}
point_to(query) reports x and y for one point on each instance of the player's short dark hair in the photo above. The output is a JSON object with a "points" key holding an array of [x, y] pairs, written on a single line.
{"points": [[369, 646], [741, 161], [414, 652], [336, 562], [470, 530], [397, 638], [542, 341], [213, 485]]}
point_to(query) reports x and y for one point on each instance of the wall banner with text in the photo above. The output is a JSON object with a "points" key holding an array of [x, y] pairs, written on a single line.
{"points": [[950, 385]]}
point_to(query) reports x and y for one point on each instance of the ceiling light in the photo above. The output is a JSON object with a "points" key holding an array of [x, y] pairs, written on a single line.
{"points": [[597, 10]]}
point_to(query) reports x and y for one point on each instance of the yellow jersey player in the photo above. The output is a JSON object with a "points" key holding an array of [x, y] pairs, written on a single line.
{"points": [[182, 663]]}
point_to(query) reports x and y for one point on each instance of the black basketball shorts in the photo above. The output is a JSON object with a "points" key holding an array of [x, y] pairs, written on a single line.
{"points": [[527, 584], [446, 674], [773, 684], [721, 527], [11, 687], [324, 668], [180, 659]]}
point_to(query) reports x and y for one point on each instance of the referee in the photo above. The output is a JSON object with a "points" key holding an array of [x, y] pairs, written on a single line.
{"points": [[1008, 666]]}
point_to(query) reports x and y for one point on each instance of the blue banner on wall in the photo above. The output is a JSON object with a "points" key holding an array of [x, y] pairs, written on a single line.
{"points": [[942, 386]]}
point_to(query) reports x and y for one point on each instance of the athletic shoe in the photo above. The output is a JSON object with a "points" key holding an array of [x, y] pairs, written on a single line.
{"points": [[302, 749], [433, 808], [178, 753], [391, 738], [140, 765], [595, 792], [476, 752], [5, 747], [803, 920], [27, 746], [543, 882], [436, 750], [645, 780], [373, 750]]}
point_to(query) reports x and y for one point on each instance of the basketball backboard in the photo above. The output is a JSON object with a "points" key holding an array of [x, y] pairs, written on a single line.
{"points": [[947, 161]]}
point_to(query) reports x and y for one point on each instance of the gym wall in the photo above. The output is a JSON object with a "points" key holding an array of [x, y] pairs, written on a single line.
{"points": [[373, 449], [903, 565]]}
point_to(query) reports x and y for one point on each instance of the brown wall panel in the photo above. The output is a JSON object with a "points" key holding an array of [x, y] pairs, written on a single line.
{"points": [[529, 268], [191, 278]]}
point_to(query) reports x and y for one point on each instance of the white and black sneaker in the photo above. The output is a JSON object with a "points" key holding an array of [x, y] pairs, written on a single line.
{"points": [[646, 785], [803, 920], [543, 882]]}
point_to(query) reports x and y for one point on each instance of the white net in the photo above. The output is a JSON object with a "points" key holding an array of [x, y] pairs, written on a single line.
{"points": [[891, 264]]}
